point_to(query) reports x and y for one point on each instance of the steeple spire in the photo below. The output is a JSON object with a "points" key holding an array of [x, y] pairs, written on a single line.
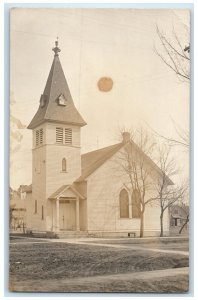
{"points": [[56, 90], [56, 49]]}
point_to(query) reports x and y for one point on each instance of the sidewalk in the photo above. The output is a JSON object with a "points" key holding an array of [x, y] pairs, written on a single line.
{"points": [[88, 284], [133, 247]]}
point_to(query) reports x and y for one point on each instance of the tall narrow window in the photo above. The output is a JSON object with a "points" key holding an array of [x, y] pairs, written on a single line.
{"points": [[68, 136], [124, 204], [136, 204], [64, 165], [42, 213], [59, 135], [37, 137], [41, 136], [35, 207]]}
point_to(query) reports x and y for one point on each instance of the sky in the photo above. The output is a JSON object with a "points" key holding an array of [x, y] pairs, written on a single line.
{"points": [[95, 43]]}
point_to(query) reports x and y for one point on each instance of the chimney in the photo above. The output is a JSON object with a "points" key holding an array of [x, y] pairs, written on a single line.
{"points": [[126, 137]]}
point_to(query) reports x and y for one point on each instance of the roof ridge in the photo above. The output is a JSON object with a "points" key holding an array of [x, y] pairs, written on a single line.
{"points": [[100, 149]]}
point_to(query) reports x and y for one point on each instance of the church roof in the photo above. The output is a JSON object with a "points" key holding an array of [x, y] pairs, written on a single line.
{"points": [[49, 109], [93, 160]]}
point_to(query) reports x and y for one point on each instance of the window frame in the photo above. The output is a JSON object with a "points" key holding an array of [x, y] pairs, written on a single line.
{"points": [[64, 165], [122, 207], [42, 212], [35, 207]]}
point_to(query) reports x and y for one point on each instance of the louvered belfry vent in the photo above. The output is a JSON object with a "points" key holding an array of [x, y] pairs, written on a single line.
{"points": [[41, 136], [68, 136], [37, 137], [59, 135]]}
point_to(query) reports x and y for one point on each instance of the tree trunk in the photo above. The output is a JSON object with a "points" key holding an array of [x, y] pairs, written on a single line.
{"points": [[142, 224], [186, 221], [161, 224]]}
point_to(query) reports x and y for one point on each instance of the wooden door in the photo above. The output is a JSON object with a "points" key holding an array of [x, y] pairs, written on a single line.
{"points": [[67, 218]]}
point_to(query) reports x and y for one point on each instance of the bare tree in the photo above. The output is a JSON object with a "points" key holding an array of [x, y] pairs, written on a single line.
{"points": [[16, 127], [135, 163], [182, 139], [174, 55], [167, 192], [185, 209]]}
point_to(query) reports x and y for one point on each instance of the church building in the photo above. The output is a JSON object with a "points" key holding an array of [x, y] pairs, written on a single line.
{"points": [[80, 194]]}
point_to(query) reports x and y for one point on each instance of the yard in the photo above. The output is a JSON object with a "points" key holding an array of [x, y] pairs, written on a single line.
{"points": [[39, 265]]}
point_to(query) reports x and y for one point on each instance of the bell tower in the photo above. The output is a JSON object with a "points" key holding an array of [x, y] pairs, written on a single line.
{"points": [[56, 149]]}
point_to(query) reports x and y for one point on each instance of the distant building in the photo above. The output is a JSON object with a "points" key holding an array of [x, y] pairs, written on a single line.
{"points": [[79, 193], [18, 207], [178, 216]]}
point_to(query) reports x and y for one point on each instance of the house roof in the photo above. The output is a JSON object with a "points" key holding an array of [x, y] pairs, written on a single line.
{"points": [[56, 85], [26, 188], [63, 188]]}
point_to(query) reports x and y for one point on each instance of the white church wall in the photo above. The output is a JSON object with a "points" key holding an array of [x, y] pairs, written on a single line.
{"points": [[34, 218], [83, 214], [104, 186], [55, 177]]}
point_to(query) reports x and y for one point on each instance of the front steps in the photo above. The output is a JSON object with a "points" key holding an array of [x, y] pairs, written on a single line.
{"points": [[71, 234]]}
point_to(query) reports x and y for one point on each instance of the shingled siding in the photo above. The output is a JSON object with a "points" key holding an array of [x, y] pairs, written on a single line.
{"points": [[103, 188]]}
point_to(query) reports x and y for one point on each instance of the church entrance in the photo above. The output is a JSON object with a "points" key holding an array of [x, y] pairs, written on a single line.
{"points": [[67, 215]]}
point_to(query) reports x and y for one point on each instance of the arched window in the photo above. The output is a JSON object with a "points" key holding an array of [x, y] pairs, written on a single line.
{"points": [[124, 204], [64, 165], [136, 204]]}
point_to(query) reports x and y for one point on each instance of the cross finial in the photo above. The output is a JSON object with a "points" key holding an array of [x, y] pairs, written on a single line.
{"points": [[56, 49]]}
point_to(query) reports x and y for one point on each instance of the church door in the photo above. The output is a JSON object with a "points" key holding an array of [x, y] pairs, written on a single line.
{"points": [[67, 218]]}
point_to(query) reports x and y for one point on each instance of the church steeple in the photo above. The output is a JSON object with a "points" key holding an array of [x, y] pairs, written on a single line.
{"points": [[56, 103]]}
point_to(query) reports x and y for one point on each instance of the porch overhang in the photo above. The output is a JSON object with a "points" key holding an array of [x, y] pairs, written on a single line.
{"points": [[66, 192]]}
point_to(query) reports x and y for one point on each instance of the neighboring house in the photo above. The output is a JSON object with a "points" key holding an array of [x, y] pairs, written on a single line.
{"points": [[74, 192], [18, 208], [178, 216]]}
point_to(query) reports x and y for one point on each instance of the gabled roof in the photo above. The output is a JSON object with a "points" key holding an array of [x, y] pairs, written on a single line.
{"points": [[91, 161], [57, 85], [64, 188]]}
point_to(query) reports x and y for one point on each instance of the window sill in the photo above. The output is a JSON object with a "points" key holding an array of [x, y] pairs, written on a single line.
{"points": [[63, 172]]}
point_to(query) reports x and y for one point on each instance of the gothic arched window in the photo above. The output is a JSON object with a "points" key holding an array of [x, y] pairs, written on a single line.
{"points": [[136, 204], [124, 204], [64, 165]]}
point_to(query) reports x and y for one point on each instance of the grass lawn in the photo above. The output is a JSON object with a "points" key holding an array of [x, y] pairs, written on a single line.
{"points": [[53, 262]]}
